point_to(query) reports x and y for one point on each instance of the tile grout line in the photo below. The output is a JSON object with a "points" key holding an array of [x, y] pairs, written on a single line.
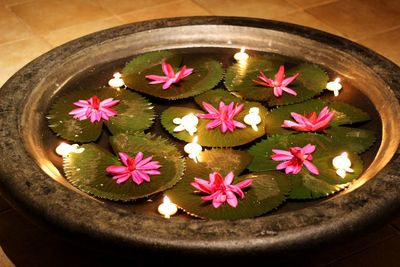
{"points": [[31, 31], [378, 33]]}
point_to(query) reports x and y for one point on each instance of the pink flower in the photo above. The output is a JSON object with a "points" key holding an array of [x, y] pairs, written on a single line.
{"points": [[221, 191], [312, 123], [170, 76], [295, 158], [138, 168], [223, 116], [280, 83], [94, 109]]}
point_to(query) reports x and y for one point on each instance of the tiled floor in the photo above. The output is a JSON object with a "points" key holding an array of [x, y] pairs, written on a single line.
{"points": [[29, 28]]}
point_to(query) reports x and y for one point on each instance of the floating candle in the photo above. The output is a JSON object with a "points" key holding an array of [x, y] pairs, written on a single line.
{"points": [[241, 56], [64, 149], [193, 149], [186, 123], [117, 81], [253, 118], [334, 86], [342, 164], [167, 208]]}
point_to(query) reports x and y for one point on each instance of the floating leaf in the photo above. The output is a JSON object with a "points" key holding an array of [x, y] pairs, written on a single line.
{"points": [[214, 137], [353, 139], [131, 107], [305, 184], [267, 191], [207, 74], [239, 79], [357, 140], [225, 160], [213, 97], [347, 114], [87, 170]]}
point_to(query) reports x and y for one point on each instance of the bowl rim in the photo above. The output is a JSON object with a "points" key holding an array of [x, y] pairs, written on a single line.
{"points": [[30, 190]]}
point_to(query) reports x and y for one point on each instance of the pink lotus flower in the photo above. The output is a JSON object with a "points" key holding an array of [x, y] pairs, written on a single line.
{"points": [[295, 158], [223, 116], [94, 109], [279, 84], [170, 76], [312, 123], [138, 168], [221, 191]]}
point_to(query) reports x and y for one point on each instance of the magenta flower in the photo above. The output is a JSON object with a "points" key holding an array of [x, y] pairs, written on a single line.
{"points": [[138, 168], [170, 76], [94, 109], [280, 83], [312, 123], [221, 191], [294, 159], [223, 116]]}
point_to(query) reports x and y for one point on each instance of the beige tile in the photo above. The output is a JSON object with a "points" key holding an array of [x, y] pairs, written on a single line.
{"points": [[11, 28], [49, 15], [248, 8], [309, 3], [17, 54], [358, 18], [58, 37], [13, 2], [386, 44], [126, 6], [305, 19], [172, 9]]}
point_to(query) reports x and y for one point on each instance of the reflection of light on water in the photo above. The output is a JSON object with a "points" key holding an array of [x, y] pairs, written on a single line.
{"points": [[55, 174], [241, 72]]}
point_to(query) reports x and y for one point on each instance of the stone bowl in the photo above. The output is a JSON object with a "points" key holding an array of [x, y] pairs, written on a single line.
{"points": [[32, 183]]}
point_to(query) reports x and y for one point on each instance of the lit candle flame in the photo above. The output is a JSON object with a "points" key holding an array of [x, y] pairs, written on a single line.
{"points": [[241, 56], [64, 149], [167, 208], [186, 123], [342, 164], [193, 149], [334, 86], [253, 118], [117, 81]]}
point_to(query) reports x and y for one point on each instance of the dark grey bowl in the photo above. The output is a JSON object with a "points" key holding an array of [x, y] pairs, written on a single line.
{"points": [[26, 172]]}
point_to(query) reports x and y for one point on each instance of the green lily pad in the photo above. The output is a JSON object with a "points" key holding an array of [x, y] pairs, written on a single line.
{"points": [[346, 114], [215, 96], [268, 191], [305, 184], [354, 139], [239, 79], [207, 73], [225, 160], [132, 106], [214, 137], [87, 170]]}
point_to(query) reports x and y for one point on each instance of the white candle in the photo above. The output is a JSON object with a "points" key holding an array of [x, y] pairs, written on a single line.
{"points": [[342, 164], [241, 56], [334, 86], [167, 208], [64, 149], [193, 149], [186, 123], [253, 118], [117, 81]]}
